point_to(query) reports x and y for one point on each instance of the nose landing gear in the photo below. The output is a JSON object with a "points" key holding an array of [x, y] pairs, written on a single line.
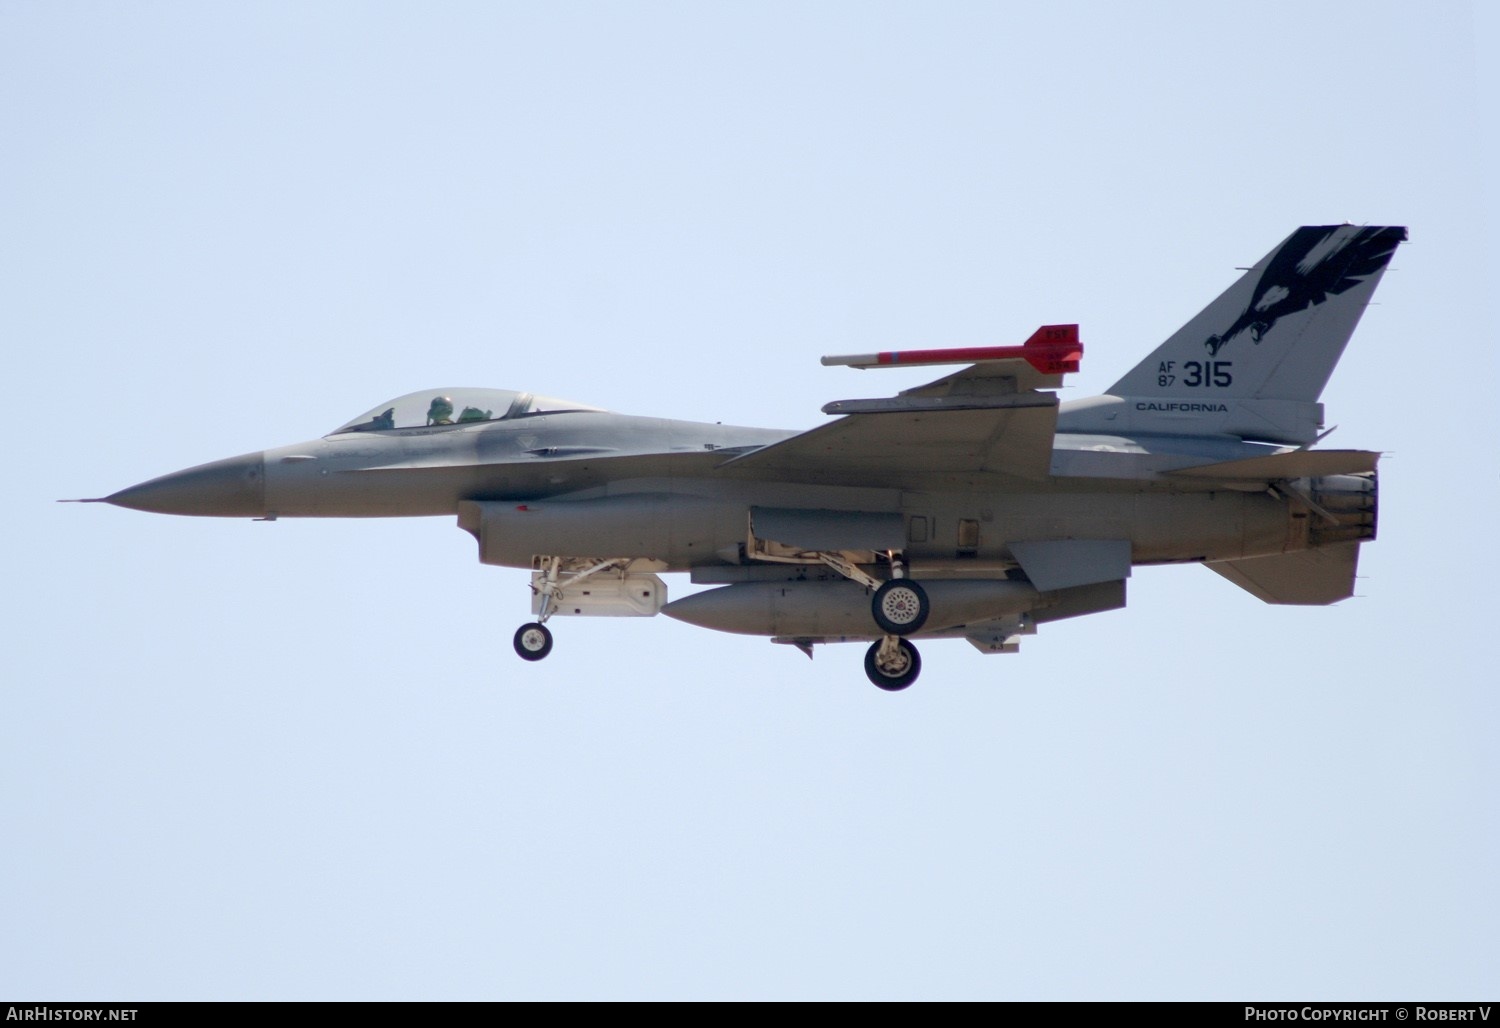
{"points": [[588, 587], [533, 641]]}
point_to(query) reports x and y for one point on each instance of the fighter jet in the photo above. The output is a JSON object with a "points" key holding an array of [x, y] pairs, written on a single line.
{"points": [[974, 507]]}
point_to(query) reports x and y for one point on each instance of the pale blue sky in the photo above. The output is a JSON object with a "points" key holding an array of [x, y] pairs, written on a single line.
{"points": [[300, 761]]}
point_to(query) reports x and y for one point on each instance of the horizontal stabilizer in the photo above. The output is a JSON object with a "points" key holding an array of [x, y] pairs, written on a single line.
{"points": [[1292, 464], [1305, 578]]}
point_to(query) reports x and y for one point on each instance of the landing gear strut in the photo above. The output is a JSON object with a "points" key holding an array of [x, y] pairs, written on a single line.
{"points": [[534, 641], [892, 663]]}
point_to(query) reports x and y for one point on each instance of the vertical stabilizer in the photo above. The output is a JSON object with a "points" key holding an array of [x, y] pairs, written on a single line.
{"points": [[1277, 333]]}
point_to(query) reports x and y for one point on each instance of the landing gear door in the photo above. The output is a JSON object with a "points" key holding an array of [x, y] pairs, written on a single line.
{"points": [[634, 594]]}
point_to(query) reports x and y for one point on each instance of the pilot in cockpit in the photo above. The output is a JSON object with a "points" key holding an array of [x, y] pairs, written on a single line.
{"points": [[441, 411]]}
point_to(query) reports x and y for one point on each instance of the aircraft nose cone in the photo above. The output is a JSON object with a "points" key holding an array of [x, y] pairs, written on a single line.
{"points": [[233, 488]]}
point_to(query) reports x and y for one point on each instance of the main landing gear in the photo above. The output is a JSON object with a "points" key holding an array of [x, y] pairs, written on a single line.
{"points": [[899, 607]]}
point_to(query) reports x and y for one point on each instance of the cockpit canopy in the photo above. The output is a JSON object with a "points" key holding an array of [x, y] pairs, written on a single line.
{"points": [[433, 408]]}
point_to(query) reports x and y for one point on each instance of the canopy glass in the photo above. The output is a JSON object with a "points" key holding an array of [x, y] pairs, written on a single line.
{"points": [[433, 408]]}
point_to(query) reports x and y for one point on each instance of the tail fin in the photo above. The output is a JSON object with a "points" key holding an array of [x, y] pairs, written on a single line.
{"points": [[1277, 333]]}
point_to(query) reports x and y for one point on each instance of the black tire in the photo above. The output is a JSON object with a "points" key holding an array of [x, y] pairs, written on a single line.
{"points": [[900, 606], [903, 676], [533, 641]]}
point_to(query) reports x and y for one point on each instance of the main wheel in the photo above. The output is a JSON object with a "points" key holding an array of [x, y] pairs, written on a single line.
{"points": [[900, 606], [533, 642], [897, 671]]}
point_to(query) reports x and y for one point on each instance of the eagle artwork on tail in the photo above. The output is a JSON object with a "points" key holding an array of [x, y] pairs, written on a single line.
{"points": [[1316, 263]]}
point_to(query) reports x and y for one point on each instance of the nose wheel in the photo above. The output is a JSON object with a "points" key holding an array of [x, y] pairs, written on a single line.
{"points": [[533, 641], [892, 663]]}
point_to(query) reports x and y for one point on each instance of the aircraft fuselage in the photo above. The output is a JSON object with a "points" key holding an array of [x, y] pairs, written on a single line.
{"points": [[662, 485]]}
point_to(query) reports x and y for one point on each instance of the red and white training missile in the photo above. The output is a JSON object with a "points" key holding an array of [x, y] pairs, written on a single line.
{"points": [[1051, 350]]}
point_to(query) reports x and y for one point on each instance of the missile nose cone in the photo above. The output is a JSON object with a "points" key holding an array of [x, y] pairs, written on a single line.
{"points": [[233, 488]]}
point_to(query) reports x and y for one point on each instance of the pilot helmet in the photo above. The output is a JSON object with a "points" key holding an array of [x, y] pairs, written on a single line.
{"points": [[440, 410]]}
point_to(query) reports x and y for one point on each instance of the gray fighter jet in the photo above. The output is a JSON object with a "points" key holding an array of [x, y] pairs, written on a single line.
{"points": [[973, 507]]}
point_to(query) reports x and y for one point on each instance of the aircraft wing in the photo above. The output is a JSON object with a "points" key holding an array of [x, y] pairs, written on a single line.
{"points": [[881, 449], [991, 417]]}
